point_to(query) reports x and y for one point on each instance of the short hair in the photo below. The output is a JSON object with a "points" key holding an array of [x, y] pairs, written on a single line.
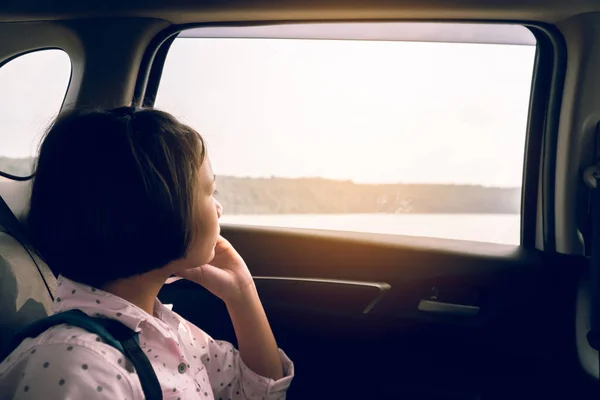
{"points": [[114, 193]]}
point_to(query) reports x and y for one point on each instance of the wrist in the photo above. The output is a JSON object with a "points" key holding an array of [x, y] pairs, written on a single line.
{"points": [[246, 296]]}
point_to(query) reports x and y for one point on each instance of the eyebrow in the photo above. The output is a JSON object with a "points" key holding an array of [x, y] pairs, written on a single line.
{"points": [[214, 177]]}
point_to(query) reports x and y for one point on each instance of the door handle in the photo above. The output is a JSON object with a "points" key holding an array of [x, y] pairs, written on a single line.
{"points": [[381, 287], [438, 307]]}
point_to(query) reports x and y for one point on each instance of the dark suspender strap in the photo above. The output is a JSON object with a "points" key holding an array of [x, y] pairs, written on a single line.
{"points": [[150, 383], [112, 333], [132, 350], [72, 317]]}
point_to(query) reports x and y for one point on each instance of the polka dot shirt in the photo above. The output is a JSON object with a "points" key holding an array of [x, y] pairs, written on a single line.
{"points": [[66, 362]]}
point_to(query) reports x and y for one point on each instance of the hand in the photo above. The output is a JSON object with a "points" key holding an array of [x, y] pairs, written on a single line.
{"points": [[227, 275]]}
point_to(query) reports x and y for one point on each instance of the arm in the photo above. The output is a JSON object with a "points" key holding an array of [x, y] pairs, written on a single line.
{"points": [[231, 378], [261, 366], [256, 342]]}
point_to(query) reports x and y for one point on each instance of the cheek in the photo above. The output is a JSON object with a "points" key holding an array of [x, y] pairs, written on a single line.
{"points": [[208, 224], [202, 246]]}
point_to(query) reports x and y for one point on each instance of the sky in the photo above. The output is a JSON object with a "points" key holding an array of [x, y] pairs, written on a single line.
{"points": [[32, 89], [367, 111]]}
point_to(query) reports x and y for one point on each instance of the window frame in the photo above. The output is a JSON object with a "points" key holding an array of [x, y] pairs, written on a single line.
{"points": [[537, 227], [62, 103]]}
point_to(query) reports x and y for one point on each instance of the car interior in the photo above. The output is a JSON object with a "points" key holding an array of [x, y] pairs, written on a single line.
{"points": [[363, 314]]}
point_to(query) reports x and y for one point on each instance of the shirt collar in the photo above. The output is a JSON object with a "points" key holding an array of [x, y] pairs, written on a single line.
{"points": [[98, 303]]}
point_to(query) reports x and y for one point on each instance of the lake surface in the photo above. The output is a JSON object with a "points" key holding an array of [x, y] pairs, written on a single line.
{"points": [[492, 228]]}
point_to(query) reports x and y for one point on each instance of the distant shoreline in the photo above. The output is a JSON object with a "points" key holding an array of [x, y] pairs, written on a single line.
{"points": [[274, 195], [324, 196], [299, 214]]}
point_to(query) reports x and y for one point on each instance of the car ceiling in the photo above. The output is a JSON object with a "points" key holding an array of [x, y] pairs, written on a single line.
{"points": [[187, 11]]}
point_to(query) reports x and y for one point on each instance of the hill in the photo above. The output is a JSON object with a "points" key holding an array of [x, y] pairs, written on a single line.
{"points": [[323, 196], [274, 195]]}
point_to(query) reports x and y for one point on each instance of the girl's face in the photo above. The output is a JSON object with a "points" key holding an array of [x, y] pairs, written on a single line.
{"points": [[202, 248]]}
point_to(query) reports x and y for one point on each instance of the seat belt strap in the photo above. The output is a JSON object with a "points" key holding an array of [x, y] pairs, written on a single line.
{"points": [[112, 332], [11, 225]]}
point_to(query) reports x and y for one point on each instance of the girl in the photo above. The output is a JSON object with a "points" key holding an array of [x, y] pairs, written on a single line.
{"points": [[122, 200]]}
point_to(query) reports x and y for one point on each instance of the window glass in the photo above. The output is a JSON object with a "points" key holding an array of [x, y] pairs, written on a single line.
{"points": [[33, 88], [421, 133]]}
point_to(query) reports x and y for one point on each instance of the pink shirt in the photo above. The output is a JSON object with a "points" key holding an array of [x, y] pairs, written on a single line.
{"points": [[66, 362]]}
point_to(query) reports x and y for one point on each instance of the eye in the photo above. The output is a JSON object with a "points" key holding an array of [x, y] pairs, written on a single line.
{"points": [[215, 193]]}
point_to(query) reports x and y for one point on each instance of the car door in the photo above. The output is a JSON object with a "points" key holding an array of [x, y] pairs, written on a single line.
{"points": [[404, 318], [431, 289]]}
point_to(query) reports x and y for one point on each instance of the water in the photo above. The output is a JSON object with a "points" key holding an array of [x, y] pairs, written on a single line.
{"points": [[492, 228]]}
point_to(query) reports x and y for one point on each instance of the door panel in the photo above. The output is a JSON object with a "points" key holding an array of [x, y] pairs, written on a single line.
{"points": [[316, 287]]}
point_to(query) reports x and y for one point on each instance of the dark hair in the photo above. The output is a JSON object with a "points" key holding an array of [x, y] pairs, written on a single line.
{"points": [[114, 193]]}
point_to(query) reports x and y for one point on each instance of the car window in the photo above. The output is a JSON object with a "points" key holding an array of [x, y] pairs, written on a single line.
{"points": [[418, 136], [33, 88]]}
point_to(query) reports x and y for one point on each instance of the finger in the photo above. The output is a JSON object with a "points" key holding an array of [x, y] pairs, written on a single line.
{"points": [[193, 274], [172, 279], [222, 239], [206, 275], [222, 245], [212, 275]]}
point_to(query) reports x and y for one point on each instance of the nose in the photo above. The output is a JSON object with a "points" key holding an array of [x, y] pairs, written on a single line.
{"points": [[219, 208]]}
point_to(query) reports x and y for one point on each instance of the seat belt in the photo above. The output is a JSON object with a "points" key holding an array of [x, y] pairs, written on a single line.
{"points": [[13, 227], [112, 332], [591, 177]]}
